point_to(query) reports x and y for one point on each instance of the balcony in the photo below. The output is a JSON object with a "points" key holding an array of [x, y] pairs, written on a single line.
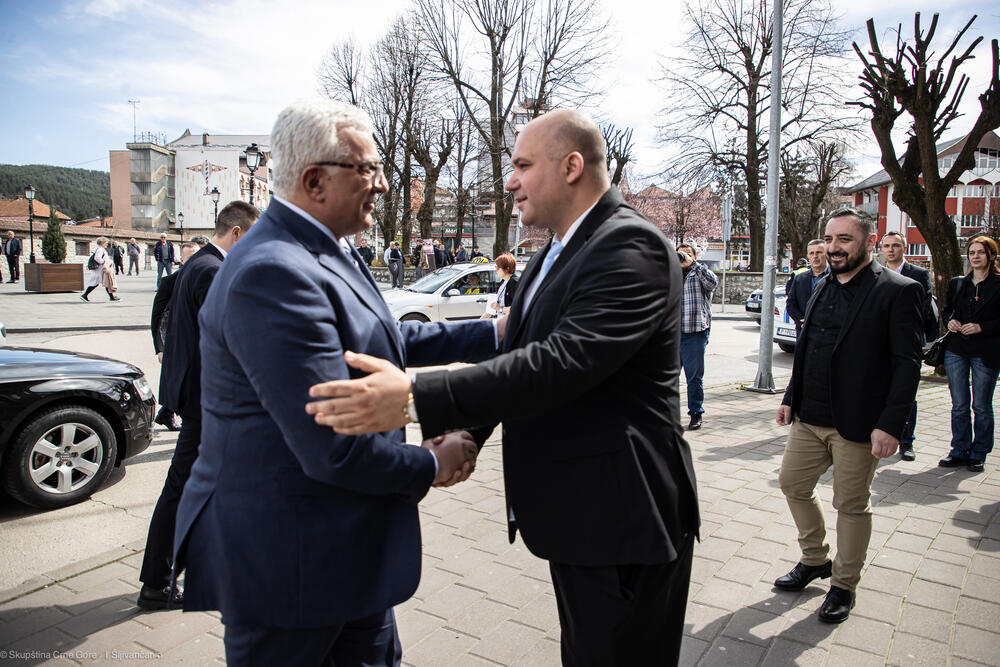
{"points": [[869, 207]]}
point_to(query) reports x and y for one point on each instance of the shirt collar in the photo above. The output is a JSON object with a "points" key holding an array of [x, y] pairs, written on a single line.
{"points": [[304, 214], [901, 265], [564, 240], [220, 249]]}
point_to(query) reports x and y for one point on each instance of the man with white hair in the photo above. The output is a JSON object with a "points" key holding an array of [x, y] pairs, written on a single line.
{"points": [[303, 538]]}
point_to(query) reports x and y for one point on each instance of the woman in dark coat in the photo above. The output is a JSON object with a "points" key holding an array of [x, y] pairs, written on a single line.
{"points": [[972, 312]]}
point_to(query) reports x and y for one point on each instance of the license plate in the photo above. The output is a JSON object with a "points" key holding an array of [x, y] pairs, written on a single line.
{"points": [[753, 306], [786, 332]]}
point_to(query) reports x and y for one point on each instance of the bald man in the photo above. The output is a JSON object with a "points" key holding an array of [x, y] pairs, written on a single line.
{"points": [[598, 476]]}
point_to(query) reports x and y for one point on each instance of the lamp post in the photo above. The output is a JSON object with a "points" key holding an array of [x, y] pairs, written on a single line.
{"points": [[180, 225], [253, 162], [215, 194], [29, 194]]}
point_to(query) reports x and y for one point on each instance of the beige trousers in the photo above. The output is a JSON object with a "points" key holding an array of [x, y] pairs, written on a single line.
{"points": [[809, 452]]}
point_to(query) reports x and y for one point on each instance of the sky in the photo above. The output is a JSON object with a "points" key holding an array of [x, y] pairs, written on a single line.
{"points": [[68, 69]]}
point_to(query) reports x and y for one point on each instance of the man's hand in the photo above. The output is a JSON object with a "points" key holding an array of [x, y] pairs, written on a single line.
{"points": [[370, 404], [784, 416], [159, 357], [501, 327], [456, 455], [883, 444], [954, 326]]}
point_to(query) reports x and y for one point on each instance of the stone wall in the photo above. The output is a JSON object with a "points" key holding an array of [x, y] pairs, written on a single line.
{"points": [[739, 284]]}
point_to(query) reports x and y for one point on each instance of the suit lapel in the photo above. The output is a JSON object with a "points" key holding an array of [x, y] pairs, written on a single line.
{"points": [[602, 210], [349, 268]]}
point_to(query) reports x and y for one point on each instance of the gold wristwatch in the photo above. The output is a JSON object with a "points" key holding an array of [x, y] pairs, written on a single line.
{"points": [[410, 411]]}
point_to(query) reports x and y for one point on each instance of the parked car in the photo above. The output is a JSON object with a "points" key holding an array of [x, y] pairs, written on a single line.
{"points": [[66, 419], [784, 326], [3, 334], [453, 292], [753, 302]]}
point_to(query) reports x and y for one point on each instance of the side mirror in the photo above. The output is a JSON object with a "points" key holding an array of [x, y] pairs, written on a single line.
{"points": [[452, 292]]}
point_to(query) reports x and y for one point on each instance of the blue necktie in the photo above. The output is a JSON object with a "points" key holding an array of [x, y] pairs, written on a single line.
{"points": [[547, 263]]}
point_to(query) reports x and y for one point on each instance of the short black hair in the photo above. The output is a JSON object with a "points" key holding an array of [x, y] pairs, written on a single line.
{"points": [[236, 214], [865, 221]]}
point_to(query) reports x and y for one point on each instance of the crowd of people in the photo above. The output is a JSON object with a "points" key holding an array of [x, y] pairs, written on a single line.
{"points": [[290, 504]]}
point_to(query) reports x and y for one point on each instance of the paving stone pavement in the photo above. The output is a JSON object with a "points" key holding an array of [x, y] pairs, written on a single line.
{"points": [[930, 592]]}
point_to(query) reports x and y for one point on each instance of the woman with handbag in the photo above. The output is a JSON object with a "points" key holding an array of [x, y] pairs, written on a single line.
{"points": [[100, 266], [972, 311]]}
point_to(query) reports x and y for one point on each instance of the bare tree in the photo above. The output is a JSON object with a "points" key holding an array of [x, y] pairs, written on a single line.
{"points": [[532, 53], [806, 180], [925, 87], [431, 147], [719, 90], [463, 158], [619, 150]]}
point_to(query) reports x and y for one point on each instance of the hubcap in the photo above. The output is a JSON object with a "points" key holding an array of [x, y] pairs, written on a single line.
{"points": [[66, 458]]}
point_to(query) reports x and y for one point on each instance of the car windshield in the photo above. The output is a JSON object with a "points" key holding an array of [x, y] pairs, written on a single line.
{"points": [[432, 281]]}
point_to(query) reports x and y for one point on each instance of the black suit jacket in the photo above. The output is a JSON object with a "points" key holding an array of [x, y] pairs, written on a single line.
{"points": [[875, 365], [985, 313], [923, 277], [180, 377], [160, 315], [596, 469], [798, 290]]}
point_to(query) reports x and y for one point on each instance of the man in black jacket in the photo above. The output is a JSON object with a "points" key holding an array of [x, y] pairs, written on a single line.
{"points": [[598, 476], [855, 374], [180, 391], [894, 251]]}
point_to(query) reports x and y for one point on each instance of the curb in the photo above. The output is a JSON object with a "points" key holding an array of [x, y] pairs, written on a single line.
{"points": [[103, 327]]}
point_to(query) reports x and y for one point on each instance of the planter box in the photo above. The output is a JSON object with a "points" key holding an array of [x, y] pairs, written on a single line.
{"points": [[44, 277]]}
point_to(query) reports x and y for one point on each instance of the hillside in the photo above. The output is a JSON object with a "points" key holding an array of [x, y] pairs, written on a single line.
{"points": [[79, 193]]}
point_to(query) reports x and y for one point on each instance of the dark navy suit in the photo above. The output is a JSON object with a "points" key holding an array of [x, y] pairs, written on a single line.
{"points": [[285, 524]]}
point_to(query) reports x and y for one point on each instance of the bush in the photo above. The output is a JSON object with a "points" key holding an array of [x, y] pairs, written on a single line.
{"points": [[53, 242]]}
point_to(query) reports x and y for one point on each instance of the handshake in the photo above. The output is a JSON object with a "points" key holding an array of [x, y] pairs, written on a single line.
{"points": [[456, 454]]}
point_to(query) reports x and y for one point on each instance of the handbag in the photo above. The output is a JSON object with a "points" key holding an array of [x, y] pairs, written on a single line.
{"points": [[934, 352], [92, 262]]}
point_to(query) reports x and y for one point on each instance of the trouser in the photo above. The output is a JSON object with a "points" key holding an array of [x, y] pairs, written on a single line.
{"points": [[809, 452], [396, 272], [14, 264], [159, 557], [908, 431], [133, 262], [693, 360], [119, 266], [372, 640], [970, 439], [631, 614], [90, 289], [160, 268]]}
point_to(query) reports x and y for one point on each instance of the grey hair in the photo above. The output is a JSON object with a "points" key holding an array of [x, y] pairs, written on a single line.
{"points": [[102, 239], [305, 133]]}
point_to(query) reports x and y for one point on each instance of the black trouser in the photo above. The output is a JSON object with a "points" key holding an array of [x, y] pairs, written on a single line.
{"points": [[159, 558], [14, 264], [366, 641], [90, 289], [623, 614]]}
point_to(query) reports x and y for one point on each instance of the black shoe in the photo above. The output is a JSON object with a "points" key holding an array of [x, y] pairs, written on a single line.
{"points": [[695, 422], [166, 418], [801, 575], [114, 298], [975, 466], [84, 297], [837, 606], [906, 453], [952, 461], [156, 599]]}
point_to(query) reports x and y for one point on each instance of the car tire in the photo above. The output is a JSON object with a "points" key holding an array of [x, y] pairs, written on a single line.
{"points": [[78, 466], [413, 317], [787, 347]]}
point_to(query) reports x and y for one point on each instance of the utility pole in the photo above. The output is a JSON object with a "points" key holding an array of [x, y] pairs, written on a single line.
{"points": [[133, 103]]}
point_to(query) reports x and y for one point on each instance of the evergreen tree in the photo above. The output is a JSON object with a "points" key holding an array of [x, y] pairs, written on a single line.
{"points": [[53, 242]]}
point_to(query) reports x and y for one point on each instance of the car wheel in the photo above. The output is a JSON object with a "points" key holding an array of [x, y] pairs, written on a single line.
{"points": [[787, 347], [413, 317], [60, 457]]}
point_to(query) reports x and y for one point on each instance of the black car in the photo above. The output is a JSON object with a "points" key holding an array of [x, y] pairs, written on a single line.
{"points": [[66, 419]]}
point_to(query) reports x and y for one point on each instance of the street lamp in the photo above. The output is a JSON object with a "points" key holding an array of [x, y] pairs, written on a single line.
{"points": [[215, 194], [180, 224], [29, 194], [253, 162]]}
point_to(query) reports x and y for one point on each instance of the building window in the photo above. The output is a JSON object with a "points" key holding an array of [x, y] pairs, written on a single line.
{"points": [[955, 190], [916, 249], [82, 248], [986, 159], [972, 220], [975, 190]]}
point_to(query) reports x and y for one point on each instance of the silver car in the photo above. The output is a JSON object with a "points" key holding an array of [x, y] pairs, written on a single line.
{"points": [[451, 293]]}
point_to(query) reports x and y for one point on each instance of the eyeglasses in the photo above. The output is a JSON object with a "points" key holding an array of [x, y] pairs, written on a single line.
{"points": [[370, 170]]}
